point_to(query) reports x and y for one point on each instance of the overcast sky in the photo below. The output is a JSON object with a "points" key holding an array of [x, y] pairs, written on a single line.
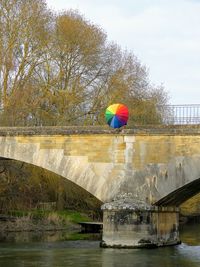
{"points": [[163, 34]]}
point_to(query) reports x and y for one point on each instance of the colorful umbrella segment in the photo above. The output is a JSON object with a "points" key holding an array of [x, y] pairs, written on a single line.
{"points": [[116, 115]]}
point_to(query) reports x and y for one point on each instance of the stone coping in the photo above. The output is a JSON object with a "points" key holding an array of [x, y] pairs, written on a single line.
{"points": [[87, 130]]}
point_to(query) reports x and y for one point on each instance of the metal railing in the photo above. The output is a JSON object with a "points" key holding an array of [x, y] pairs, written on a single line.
{"points": [[163, 114], [180, 114]]}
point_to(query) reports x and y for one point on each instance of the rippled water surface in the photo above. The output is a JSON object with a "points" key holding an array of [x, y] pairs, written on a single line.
{"points": [[88, 253]]}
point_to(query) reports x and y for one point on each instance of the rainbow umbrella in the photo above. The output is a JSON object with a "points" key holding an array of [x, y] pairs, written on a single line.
{"points": [[116, 115]]}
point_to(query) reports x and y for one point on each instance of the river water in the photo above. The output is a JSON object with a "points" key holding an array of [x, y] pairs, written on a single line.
{"points": [[88, 253]]}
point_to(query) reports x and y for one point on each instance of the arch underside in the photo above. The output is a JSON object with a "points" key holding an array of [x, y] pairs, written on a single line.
{"points": [[180, 195]]}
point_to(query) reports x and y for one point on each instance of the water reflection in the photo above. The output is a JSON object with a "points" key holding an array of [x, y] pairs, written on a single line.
{"points": [[48, 236], [162, 257], [190, 234], [87, 253]]}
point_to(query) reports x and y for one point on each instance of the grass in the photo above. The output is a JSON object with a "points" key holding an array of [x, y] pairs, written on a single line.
{"points": [[65, 215], [74, 216]]}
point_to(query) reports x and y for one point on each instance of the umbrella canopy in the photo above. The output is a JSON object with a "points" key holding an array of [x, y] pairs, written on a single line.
{"points": [[116, 115]]}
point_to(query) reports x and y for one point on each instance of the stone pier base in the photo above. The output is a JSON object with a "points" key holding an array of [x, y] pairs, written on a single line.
{"points": [[137, 225]]}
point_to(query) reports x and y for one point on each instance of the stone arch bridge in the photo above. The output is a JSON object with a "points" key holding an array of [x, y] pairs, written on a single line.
{"points": [[156, 165]]}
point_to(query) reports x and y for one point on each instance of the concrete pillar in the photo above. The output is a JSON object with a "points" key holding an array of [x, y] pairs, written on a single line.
{"points": [[128, 224]]}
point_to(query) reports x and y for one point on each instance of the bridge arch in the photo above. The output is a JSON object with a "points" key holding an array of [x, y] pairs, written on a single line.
{"points": [[57, 154], [180, 195]]}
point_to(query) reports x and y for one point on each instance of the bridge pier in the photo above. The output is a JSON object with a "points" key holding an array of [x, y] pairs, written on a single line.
{"points": [[128, 224]]}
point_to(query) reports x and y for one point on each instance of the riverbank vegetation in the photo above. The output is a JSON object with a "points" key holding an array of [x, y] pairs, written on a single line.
{"points": [[40, 220]]}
